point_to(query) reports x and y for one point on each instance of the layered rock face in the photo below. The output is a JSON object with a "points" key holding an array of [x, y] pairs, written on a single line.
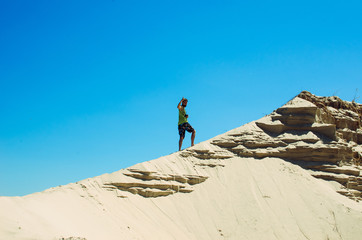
{"points": [[322, 134], [154, 184]]}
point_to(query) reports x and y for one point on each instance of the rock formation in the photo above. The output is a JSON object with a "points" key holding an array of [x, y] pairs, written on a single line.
{"points": [[154, 184], [322, 134], [293, 174]]}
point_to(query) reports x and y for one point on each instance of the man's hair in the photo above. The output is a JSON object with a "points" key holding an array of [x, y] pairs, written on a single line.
{"points": [[183, 102]]}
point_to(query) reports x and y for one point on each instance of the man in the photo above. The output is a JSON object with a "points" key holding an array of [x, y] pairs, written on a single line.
{"points": [[183, 125]]}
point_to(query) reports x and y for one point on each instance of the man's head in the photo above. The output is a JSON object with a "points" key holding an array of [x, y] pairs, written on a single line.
{"points": [[184, 102]]}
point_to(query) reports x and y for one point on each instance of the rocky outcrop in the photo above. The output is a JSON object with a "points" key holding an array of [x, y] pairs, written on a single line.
{"points": [[206, 154], [346, 116], [322, 134], [207, 157], [154, 184]]}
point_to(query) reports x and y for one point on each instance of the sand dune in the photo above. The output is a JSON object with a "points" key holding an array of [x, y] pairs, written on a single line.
{"points": [[293, 174]]}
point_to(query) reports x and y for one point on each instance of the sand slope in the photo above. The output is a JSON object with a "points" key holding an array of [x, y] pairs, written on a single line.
{"points": [[204, 192]]}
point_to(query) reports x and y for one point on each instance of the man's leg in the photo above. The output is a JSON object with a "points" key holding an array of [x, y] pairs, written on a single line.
{"points": [[193, 137], [180, 143]]}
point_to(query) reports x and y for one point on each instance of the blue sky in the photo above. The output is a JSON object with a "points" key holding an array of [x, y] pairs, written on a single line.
{"points": [[91, 87]]}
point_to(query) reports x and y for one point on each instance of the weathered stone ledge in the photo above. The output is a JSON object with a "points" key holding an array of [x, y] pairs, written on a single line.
{"points": [[153, 184]]}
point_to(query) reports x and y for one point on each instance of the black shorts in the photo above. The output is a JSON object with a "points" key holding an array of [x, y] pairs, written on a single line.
{"points": [[184, 127]]}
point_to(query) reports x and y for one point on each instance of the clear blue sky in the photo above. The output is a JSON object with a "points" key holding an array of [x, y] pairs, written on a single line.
{"points": [[90, 87]]}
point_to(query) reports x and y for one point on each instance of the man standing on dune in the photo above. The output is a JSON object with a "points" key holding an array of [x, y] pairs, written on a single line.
{"points": [[183, 125]]}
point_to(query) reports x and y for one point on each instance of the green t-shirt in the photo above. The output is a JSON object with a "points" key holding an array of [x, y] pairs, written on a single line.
{"points": [[181, 116]]}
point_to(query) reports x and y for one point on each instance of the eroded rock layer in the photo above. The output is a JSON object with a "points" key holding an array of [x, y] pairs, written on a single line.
{"points": [[154, 184], [322, 134], [346, 116]]}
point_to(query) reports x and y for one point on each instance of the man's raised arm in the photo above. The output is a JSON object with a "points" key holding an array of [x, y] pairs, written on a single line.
{"points": [[179, 104]]}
